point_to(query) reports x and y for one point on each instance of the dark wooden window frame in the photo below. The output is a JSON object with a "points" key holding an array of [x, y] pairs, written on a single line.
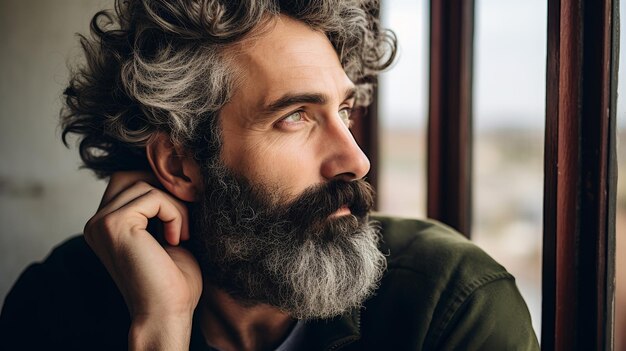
{"points": [[580, 175], [449, 166]]}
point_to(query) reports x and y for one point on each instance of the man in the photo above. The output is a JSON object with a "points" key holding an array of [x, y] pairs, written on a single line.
{"points": [[236, 216]]}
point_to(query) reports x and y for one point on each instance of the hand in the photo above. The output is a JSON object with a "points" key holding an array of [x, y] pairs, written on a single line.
{"points": [[161, 285]]}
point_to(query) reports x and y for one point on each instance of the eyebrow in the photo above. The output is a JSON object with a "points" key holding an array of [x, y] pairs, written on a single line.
{"points": [[291, 99]]}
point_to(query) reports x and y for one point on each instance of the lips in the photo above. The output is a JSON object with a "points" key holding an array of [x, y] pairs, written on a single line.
{"points": [[337, 199], [342, 211]]}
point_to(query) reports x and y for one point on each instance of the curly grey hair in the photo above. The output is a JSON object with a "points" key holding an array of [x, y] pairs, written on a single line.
{"points": [[162, 65]]}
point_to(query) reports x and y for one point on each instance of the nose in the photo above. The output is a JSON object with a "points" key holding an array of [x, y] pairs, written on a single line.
{"points": [[343, 156]]}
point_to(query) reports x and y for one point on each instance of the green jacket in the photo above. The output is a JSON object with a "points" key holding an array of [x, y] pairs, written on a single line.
{"points": [[440, 292]]}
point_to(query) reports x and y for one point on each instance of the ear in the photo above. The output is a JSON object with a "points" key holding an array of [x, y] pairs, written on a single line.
{"points": [[177, 171]]}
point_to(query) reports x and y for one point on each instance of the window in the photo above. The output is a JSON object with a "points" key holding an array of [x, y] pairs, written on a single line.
{"points": [[403, 94], [509, 118]]}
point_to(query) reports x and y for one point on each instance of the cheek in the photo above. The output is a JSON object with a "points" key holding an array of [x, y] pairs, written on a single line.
{"points": [[287, 163]]}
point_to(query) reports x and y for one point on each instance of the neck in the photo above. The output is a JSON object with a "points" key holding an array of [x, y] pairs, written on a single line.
{"points": [[229, 325]]}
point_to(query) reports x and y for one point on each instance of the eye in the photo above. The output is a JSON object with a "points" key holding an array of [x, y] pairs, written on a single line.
{"points": [[345, 114], [294, 117], [292, 121]]}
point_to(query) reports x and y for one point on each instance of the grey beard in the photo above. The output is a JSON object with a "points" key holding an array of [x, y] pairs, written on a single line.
{"points": [[249, 245]]}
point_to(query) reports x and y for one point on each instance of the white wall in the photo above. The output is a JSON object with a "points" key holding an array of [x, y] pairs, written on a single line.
{"points": [[44, 197]]}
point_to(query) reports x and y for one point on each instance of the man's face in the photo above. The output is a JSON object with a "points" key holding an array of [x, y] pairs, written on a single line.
{"points": [[283, 217], [287, 123]]}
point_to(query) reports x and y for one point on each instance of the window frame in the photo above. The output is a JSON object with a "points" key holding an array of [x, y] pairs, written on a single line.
{"points": [[580, 175]]}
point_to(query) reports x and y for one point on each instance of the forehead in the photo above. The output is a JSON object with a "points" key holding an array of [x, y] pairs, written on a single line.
{"points": [[288, 57]]}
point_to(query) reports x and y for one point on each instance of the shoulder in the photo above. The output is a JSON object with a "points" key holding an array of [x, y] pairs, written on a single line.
{"points": [[432, 249], [64, 301], [440, 287]]}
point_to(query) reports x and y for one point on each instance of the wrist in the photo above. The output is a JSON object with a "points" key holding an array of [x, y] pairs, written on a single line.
{"points": [[170, 332]]}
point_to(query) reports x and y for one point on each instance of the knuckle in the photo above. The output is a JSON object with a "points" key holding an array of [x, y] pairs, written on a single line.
{"points": [[136, 230], [156, 195], [108, 223], [100, 229], [143, 185]]}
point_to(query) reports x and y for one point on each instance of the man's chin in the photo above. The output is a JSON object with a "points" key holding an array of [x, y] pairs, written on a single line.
{"points": [[328, 278]]}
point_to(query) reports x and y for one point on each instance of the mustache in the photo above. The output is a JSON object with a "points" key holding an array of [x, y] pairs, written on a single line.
{"points": [[318, 202]]}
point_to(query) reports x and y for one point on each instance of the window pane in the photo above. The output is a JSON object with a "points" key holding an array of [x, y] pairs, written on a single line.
{"points": [[403, 111], [509, 111]]}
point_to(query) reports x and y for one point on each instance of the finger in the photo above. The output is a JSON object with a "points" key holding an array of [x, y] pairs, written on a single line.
{"points": [[134, 191], [140, 189], [183, 231], [121, 181], [125, 196], [166, 208]]}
